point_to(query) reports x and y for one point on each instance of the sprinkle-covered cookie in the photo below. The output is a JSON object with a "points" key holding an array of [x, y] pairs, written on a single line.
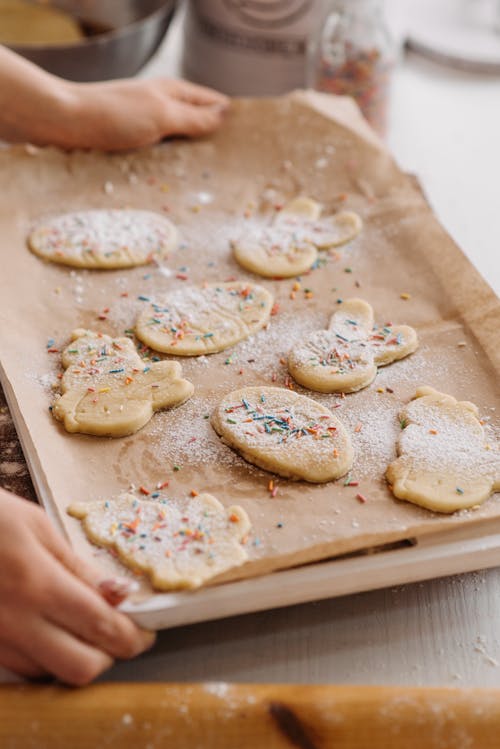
{"points": [[344, 358], [289, 245], [108, 390], [445, 462], [326, 232], [104, 239], [202, 320], [285, 433], [178, 543]]}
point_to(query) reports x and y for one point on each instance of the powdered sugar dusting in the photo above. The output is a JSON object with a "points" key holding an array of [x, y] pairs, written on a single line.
{"points": [[195, 320], [185, 435], [378, 428], [178, 543], [447, 437], [291, 435], [91, 237]]}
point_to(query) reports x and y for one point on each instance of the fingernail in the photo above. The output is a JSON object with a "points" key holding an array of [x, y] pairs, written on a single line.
{"points": [[116, 589]]}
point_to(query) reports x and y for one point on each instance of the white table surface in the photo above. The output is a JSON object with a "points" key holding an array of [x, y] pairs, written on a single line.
{"points": [[445, 127]]}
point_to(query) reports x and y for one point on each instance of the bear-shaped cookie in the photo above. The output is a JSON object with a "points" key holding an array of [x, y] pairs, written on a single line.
{"points": [[178, 543], [345, 358], [108, 390], [445, 462]]}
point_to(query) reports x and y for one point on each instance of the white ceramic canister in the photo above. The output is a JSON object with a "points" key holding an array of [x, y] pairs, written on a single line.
{"points": [[249, 47]]}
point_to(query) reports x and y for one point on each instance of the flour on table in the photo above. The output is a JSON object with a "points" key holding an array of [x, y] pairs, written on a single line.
{"points": [[177, 543], [445, 463], [285, 433], [104, 239], [198, 320], [108, 390], [345, 357]]}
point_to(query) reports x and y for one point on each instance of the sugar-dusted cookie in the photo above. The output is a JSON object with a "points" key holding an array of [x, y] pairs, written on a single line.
{"points": [[178, 543], [283, 432], [445, 463], [104, 239], [326, 232], [108, 390], [289, 245], [300, 207], [345, 357], [204, 319], [275, 251]]}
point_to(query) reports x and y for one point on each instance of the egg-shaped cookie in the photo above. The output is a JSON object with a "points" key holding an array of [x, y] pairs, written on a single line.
{"points": [[283, 432], [196, 320]]}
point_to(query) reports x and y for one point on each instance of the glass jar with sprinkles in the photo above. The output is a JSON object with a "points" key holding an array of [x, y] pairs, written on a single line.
{"points": [[353, 54]]}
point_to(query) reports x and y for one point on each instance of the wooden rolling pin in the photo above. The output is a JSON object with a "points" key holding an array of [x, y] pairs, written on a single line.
{"points": [[225, 716]]}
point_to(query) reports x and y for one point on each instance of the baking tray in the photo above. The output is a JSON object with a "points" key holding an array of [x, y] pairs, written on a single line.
{"points": [[210, 185], [436, 555]]}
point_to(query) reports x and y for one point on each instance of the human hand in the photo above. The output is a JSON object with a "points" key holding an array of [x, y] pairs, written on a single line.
{"points": [[40, 108], [125, 114], [53, 619]]}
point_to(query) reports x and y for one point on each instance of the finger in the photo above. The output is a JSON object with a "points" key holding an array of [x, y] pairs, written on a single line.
{"points": [[190, 120], [194, 94], [113, 590], [60, 653], [57, 545], [71, 604], [117, 589], [14, 660]]}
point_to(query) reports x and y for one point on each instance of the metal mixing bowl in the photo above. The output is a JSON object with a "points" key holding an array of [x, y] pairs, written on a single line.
{"points": [[133, 31]]}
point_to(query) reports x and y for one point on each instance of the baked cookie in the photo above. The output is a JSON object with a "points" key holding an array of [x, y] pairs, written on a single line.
{"points": [[178, 543], [344, 358], [289, 245], [445, 463], [204, 319], [104, 239], [285, 433], [108, 390], [327, 232]]}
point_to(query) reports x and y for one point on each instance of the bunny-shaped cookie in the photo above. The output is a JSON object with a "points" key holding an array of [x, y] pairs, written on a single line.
{"points": [[344, 358]]}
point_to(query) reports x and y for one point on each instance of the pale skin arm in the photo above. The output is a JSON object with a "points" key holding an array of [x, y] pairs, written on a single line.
{"points": [[54, 618], [40, 108]]}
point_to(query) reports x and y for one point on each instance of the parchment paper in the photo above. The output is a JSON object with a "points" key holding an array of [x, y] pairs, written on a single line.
{"points": [[267, 152]]}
